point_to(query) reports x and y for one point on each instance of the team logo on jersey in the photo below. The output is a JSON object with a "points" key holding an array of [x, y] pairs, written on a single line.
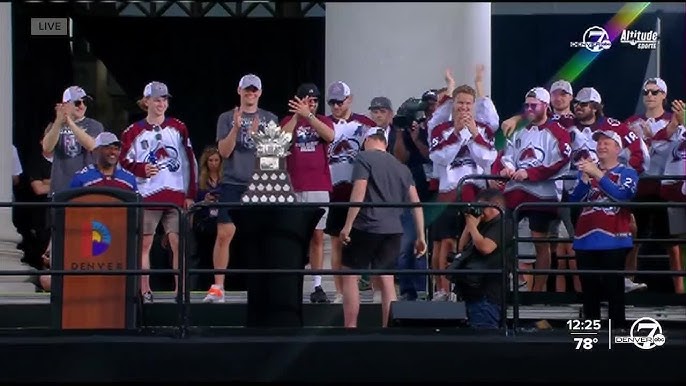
{"points": [[596, 195], [463, 158], [530, 157], [164, 157], [343, 150]]}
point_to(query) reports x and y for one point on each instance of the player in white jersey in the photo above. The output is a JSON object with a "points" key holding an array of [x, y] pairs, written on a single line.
{"points": [[349, 131], [669, 143], [651, 222]]}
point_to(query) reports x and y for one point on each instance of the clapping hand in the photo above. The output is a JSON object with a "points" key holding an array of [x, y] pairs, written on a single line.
{"points": [[299, 106]]}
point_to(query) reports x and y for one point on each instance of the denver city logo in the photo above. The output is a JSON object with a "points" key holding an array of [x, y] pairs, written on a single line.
{"points": [[95, 241], [642, 40], [645, 333]]}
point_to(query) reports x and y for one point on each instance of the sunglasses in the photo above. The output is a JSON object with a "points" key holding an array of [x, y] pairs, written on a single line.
{"points": [[333, 102], [582, 104], [653, 92], [530, 106], [79, 103]]}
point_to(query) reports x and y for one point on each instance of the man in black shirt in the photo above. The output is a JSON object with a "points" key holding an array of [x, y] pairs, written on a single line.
{"points": [[482, 245]]}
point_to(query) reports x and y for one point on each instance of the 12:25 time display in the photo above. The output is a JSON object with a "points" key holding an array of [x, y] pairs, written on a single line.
{"points": [[583, 325]]}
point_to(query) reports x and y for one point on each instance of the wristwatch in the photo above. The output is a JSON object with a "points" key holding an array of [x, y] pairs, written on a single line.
{"points": [[310, 116]]}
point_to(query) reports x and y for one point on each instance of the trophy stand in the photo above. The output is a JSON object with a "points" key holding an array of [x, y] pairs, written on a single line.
{"points": [[273, 237]]}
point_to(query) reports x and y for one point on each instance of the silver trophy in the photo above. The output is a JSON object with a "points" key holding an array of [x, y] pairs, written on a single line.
{"points": [[270, 181]]}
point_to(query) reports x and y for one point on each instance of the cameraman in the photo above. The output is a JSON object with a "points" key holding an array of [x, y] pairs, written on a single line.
{"points": [[480, 247]]}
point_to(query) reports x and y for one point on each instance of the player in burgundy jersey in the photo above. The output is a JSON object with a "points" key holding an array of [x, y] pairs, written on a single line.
{"points": [[308, 166]]}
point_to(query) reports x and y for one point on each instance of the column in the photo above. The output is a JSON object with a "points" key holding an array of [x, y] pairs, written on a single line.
{"points": [[399, 50], [9, 254]]}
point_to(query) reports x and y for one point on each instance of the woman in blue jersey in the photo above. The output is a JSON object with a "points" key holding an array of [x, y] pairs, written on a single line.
{"points": [[602, 236]]}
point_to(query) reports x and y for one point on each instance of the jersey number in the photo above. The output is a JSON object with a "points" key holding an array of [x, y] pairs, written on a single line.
{"points": [[631, 137]]}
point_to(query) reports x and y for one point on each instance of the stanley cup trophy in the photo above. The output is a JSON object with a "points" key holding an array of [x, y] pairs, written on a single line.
{"points": [[270, 181], [273, 237]]}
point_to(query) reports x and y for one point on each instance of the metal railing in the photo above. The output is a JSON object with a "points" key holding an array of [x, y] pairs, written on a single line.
{"points": [[183, 298], [538, 205], [178, 272], [503, 271]]}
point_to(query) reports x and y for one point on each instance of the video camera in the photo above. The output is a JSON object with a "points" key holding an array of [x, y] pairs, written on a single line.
{"points": [[475, 211], [412, 110]]}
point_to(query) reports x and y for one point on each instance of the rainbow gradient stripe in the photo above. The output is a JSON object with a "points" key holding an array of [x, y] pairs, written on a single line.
{"points": [[575, 66], [571, 70]]}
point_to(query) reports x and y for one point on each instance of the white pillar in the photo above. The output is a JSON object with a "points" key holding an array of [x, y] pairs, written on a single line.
{"points": [[9, 254], [399, 50]]}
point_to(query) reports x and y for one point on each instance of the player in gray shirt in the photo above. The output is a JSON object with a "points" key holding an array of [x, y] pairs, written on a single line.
{"points": [[236, 146], [371, 236], [71, 137]]}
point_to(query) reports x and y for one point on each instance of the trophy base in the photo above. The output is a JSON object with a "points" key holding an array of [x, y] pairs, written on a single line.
{"points": [[270, 183]]}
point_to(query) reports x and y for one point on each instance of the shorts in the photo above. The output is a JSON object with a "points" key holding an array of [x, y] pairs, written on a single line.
{"points": [[538, 221], [335, 219], [316, 197], [169, 218], [676, 216], [229, 193], [365, 249], [562, 227]]}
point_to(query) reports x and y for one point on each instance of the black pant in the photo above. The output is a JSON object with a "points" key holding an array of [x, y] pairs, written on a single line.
{"points": [[593, 286]]}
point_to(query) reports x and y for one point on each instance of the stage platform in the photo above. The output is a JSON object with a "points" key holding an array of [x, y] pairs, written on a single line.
{"points": [[335, 355], [33, 310]]}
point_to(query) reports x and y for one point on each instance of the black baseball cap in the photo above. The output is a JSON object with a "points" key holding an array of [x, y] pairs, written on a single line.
{"points": [[307, 90]]}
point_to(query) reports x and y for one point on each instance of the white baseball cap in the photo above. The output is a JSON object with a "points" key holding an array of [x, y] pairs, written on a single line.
{"points": [[562, 85], [658, 82], [250, 80], [610, 134], [588, 94], [106, 138], [539, 93], [73, 94], [156, 90], [338, 91]]}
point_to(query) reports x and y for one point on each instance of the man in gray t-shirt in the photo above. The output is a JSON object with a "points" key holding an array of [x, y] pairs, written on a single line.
{"points": [[236, 146], [70, 137], [371, 236]]}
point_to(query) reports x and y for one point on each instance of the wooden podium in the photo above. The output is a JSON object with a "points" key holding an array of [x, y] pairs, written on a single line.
{"points": [[95, 239]]}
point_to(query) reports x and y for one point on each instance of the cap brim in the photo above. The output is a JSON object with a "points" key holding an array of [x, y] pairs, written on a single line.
{"points": [[111, 143]]}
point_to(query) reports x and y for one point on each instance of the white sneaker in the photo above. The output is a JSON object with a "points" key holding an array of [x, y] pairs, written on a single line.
{"points": [[214, 295], [630, 286], [338, 299], [376, 297], [440, 296]]}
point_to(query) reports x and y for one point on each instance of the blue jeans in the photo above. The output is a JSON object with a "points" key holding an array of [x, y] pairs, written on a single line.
{"points": [[410, 284], [482, 314]]}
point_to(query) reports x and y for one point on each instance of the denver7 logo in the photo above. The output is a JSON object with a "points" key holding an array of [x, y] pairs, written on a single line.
{"points": [[596, 39]]}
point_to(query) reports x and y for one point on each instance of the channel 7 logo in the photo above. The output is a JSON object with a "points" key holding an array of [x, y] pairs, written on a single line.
{"points": [[645, 333]]}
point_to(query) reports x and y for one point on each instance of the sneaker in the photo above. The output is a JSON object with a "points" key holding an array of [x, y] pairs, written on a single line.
{"points": [[147, 297], [630, 286], [338, 299], [376, 297], [364, 284], [440, 296], [214, 295], [318, 296]]}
